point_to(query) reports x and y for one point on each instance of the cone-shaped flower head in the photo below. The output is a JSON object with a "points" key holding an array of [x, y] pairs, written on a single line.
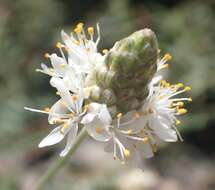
{"points": [[130, 66]]}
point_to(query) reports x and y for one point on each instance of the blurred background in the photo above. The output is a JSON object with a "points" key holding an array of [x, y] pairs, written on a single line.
{"points": [[28, 29]]}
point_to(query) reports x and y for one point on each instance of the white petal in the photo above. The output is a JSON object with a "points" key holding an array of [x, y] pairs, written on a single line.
{"points": [[58, 63], [104, 115], [98, 130], [70, 139], [63, 90], [163, 131], [58, 108], [88, 118], [54, 137], [94, 107]]}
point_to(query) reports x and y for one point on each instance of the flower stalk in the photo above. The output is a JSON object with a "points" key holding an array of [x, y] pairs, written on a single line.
{"points": [[61, 162]]}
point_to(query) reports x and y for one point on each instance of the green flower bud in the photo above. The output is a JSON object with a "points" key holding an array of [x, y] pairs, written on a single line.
{"points": [[129, 67]]}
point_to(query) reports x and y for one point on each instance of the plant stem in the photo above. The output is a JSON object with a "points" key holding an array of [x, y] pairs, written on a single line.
{"points": [[61, 162]]}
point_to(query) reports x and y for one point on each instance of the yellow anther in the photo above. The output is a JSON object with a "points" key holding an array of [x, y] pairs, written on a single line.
{"points": [[65, 126], [66, 48], [90, 30], [167, 57], [137, 115], [62, 65], [75, 98], [129, 131], [187, 88], [145, 140], [99, 130], [127, 153], [154, 147], [105, 51], [159, 50], [181, 110], [190, 99], [150, 110], [80, 25], [72, 114], [180, 85], [77, 42], [58, 45], [166, 65], [177, 122], [161, 97], [119, 115], [79, 28], [86, 107], [47, 109], [163, 82], [167, 84], [180, 104], [46, 55], [57, 121]]}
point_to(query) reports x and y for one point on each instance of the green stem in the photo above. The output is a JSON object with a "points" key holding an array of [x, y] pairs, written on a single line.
{"points": [[61, 162]]}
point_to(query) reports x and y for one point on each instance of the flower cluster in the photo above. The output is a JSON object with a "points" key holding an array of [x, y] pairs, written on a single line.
{"points": [[130, 136]]}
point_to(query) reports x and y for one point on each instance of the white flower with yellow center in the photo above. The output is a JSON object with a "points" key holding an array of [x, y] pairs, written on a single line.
{"points": [[161, 109], [82, 53], [123, 135], [69, 112], [82, 58]]}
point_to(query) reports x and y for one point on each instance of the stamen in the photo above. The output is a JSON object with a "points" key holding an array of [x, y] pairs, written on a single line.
{"points": [[58, 45], [165, 66], [75, 98], [90, 31], [129, 131], [167, 57], [119, 115], [181, 110], [80, 25], [86, 108], [65, 126], [190, 99], [47, 109], [105, 51], [62, 65], [127, 153], [145, 140], [187, 88], [58, 93], [99, 130], [137, 115], [150, 110], [79, 28], [177, 122], [180, 85], [47, 55]]}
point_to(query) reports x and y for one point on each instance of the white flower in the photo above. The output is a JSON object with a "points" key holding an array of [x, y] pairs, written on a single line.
{"points": [[67, 111], [161, 109], [82, 53], [83, 58], [97, 121], [123, 135]]}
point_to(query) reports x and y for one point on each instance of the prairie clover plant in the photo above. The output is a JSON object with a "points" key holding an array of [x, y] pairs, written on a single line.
{"points": [[119, 96]]}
